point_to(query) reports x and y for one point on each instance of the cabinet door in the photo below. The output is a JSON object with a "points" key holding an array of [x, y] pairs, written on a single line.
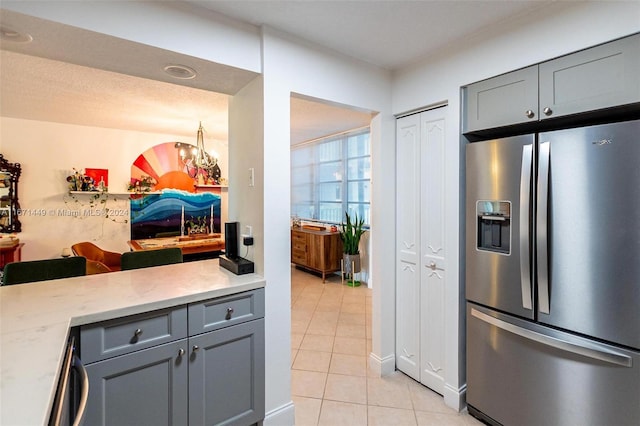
{"points": [[147, 387], [316, 252], [510, 98], [226, 376], [600, 77]]}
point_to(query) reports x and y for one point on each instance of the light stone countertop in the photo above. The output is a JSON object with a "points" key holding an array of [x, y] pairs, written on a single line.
{"points": [[35, 319]]}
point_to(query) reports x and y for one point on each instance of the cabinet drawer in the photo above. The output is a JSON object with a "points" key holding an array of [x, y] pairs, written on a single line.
{"points": [[225, 311], [299, 247], [298, 237], [300, 258], [124, 335]]}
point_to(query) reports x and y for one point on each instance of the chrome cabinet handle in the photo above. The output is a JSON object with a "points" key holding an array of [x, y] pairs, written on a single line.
{"points": [[547, 111], [229, 313], [432, 266], [530, 114], [137, 333], [181, 353], [195, 348]]}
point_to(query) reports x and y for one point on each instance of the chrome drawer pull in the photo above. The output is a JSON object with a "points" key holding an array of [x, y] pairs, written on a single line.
{"points": [[137, 332], [229, 313]]}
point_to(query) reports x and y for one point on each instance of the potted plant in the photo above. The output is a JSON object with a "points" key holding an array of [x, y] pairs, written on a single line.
{"points": [[350, 233]]}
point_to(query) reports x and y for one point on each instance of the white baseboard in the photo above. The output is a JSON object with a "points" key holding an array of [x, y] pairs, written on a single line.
{"points": [[382, 366], [282, 416], [455, 398]]}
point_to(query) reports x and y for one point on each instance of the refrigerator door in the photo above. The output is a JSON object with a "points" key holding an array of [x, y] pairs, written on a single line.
{"points": [[499, 224], [522, 373], [588, 244]]}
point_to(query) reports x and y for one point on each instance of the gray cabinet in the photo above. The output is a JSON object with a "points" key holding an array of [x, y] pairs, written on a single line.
{"points": [[146, 387], [194, 364], [597, 78], [226, 376], [503, 100], [604, 76]]}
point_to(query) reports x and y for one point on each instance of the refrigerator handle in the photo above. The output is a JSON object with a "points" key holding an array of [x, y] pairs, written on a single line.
{"points": [[542, 229], [525, 217], [600, 354]]}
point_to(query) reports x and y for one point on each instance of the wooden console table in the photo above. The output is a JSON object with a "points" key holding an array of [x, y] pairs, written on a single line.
{"points": [[319, 251], [188, 247]]}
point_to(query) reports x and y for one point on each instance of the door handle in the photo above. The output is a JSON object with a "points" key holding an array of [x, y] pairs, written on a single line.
{"points": [[525, 225], [542, 228], [600, 354]]}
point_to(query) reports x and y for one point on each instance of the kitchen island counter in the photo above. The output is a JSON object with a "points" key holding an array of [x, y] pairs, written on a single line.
{"points": [[35, 320]]}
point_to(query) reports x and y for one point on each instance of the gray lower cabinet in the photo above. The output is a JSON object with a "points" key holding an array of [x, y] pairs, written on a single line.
{"points": [[146, 387], [226, 376], [596, 78], [201, 364]]}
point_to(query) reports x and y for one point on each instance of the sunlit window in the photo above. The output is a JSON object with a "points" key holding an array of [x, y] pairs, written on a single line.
{"points": [[331, 176]]}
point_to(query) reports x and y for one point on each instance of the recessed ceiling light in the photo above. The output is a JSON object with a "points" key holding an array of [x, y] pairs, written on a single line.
{"points": [[8, 34], [182, 72]]}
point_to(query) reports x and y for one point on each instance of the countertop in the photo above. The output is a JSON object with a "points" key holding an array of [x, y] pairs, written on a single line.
{"points": [[35, 319]]}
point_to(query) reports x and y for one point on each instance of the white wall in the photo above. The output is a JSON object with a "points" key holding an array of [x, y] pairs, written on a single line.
{"points": [[560, 28], [290, 66], [48, 152]]}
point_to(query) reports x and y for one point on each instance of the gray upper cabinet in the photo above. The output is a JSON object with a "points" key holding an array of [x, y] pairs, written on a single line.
{"points": [[604, 76], [503, 100], [601, 77]]}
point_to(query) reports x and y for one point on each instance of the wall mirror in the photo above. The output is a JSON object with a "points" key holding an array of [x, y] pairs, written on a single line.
{"points": [[9, 205]]}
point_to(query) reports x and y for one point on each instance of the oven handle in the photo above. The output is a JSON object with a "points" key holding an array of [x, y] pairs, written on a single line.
{"points": [[84, 390]]}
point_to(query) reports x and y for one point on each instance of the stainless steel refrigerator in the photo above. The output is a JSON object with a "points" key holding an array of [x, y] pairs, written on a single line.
{"points": [[553, 277]]}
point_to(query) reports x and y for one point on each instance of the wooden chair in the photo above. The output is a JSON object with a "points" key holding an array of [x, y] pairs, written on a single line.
{"points": [[43, 270], [147, 258], [110, 260]]}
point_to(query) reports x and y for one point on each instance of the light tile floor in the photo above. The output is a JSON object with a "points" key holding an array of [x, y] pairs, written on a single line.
{"points": [[330, 381]]}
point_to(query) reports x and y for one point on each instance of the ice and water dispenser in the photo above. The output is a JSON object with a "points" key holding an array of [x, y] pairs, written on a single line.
{"points": [[494, 226]]}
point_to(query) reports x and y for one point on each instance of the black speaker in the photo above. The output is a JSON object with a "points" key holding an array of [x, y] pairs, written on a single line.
{"points": [[231, 240]]}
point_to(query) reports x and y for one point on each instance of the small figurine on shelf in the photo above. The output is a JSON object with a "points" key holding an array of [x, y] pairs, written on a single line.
{"points": [[78, 181]]}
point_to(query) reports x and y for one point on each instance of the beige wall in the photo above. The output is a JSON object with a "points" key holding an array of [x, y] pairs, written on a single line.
{"points": [[48, 152]]}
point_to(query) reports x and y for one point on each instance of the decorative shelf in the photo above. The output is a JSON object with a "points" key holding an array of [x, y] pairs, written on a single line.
{"points": [[116, 193]]}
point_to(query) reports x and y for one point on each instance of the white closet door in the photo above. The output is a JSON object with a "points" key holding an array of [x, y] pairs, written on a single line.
{"points": [[408, 246], [432, 298], [420, 247]]}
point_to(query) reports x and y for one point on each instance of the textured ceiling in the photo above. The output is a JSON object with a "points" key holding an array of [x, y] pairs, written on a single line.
{"points": [[70, 75]]}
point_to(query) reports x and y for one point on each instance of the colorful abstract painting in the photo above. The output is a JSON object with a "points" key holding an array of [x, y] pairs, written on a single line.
{"points": [[165, 214]]}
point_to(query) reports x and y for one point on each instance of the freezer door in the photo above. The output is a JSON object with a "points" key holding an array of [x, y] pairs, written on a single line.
{"points": [[521, 373], [499, 224], [588, 243]]}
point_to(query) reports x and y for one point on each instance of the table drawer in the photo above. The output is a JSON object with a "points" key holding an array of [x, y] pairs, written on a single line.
{"points": [[226, 311], [111, 338]]}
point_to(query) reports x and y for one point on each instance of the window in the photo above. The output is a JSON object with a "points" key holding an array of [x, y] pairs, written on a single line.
{"points": [[330, 176]]}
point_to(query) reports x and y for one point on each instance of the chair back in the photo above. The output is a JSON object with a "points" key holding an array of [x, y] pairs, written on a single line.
{"points": [[42, 270], [92, 252], [147, 258]]}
